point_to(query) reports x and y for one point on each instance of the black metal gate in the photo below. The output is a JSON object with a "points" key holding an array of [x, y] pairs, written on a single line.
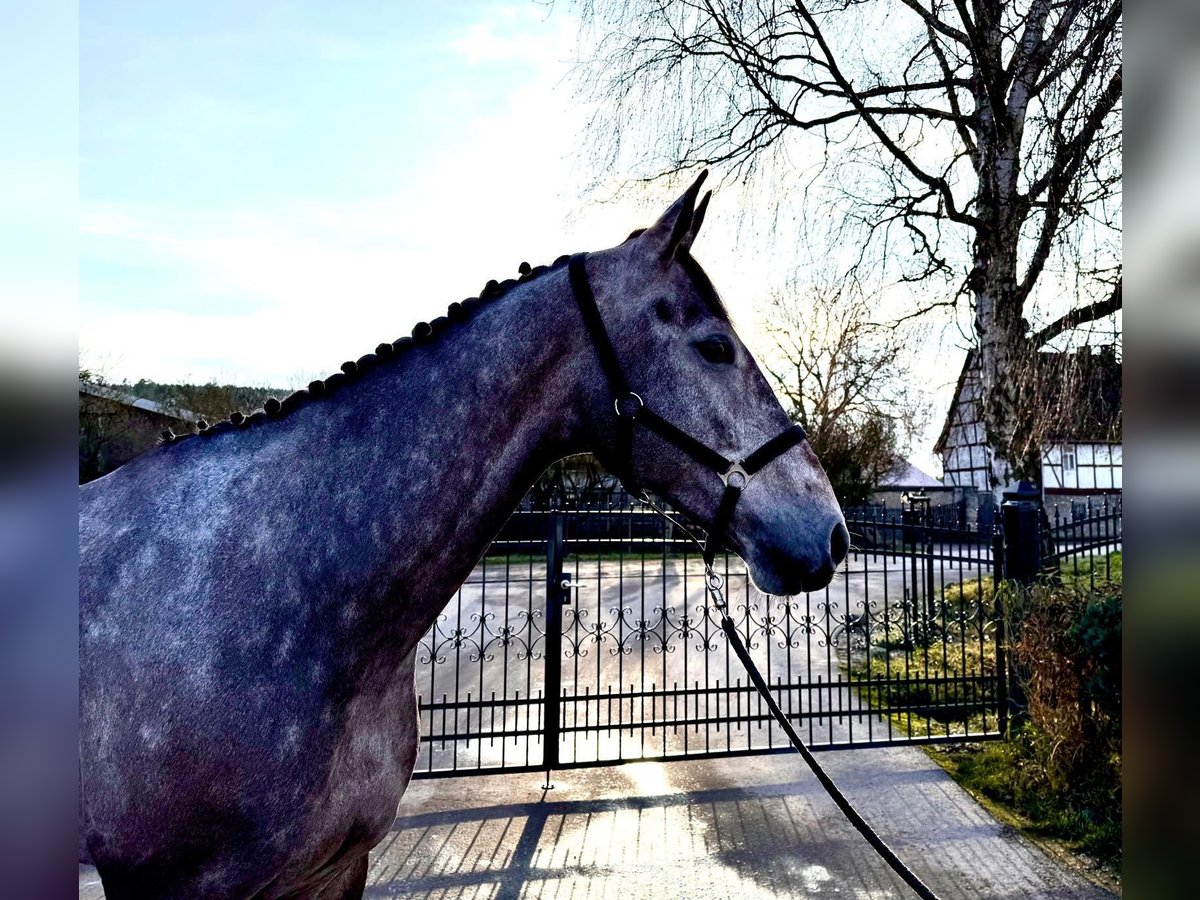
{"points": [[585, 637]]}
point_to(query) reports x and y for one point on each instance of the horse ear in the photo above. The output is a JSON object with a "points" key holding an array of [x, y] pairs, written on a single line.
{"points": [[676, 228], [697, 221]]}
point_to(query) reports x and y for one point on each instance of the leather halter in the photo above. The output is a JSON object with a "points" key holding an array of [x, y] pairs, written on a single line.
{"points": [[631, 409]]}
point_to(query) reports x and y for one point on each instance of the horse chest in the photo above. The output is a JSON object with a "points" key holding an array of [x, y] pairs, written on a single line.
{"points": [[368, 767], [368, 771]]}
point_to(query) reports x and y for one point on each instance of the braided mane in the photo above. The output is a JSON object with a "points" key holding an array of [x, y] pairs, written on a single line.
{"points": [[351, 370]]}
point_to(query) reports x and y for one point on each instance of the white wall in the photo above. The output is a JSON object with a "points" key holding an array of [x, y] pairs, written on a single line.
{"points": [[1086, 467]]}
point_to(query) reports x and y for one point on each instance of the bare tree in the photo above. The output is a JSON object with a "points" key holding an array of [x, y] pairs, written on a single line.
{"points": [[846, 381], [971, 146], [210, 401], [576, 480]]}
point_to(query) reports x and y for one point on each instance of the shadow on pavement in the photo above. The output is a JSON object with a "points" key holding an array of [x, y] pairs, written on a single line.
{"points": [[722, 828]]}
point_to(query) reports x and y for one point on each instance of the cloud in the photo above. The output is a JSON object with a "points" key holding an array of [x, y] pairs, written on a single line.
{"points": [[261, 292], [517, 33]]}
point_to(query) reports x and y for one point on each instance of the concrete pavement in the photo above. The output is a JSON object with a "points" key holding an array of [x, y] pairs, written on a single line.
{"points": [[746, 828]]}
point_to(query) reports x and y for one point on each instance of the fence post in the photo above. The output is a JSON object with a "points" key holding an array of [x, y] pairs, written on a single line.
{"points": [[929, 584], [555, 594], [1002, 698], [1020, 515], [916, 514]]}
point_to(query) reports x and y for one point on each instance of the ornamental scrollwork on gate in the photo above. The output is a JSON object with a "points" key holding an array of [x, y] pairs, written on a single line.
{"points": [[577, 631], [480, 637], [456, 637], [526, 639]]}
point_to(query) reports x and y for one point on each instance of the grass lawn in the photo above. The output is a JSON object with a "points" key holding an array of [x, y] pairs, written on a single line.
{"points": [[1006, 778]]}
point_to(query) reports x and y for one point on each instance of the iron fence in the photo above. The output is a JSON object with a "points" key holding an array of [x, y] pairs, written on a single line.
{"points": [[585, 637], [1083, 540]]}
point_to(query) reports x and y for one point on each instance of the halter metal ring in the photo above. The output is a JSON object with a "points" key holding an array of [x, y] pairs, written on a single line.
{"points": [[738, 475], [631, 396]]}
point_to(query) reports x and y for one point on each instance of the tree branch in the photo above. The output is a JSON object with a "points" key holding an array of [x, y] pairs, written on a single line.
{"points": [[1077, 317], [938, 184], [963, 123], [1059, 177], [934, 23], [1101, 28]]}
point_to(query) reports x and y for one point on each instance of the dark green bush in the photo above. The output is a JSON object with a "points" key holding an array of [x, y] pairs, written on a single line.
{"points": [[1067, 764]]}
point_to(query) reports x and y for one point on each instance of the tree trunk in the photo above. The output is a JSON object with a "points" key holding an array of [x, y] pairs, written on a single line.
{"points": [[1006, 362], [1004, 354], [1006, 367]]}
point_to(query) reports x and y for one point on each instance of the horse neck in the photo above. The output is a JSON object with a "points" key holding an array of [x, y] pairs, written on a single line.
{"points": [[442, 444]]}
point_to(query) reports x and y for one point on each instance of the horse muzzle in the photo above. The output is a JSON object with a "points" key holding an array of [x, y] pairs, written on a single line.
{"points": [[798, 560]]}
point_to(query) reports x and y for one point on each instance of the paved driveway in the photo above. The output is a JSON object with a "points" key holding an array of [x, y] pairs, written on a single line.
{"points": [[740, 828], [743, 828]]}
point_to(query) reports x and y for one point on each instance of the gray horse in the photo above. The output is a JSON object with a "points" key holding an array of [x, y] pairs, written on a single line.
{"points": [[251, 596]]}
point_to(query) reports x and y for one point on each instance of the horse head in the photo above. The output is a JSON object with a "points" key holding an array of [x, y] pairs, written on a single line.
{"points": [[674, 357]]}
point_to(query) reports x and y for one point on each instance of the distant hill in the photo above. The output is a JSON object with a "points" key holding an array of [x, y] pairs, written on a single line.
{"points": [[210, 401]]}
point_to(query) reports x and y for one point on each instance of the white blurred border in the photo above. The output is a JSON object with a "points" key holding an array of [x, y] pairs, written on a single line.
{"points": [[38, 470], [1162, 452]]}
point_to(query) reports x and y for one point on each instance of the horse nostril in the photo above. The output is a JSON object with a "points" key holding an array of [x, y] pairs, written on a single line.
{"points": [[839, 543]]}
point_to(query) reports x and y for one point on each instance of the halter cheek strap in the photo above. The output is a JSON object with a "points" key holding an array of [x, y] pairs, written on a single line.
{"points": [[631, 409]]}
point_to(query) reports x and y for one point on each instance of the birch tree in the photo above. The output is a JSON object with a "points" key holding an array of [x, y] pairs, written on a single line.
{"points": [[969, 148]]}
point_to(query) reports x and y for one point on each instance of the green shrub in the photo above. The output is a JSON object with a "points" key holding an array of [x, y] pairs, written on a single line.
{"points": [[1067, 767]]}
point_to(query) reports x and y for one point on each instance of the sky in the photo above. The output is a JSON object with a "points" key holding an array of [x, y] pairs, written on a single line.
{"points": [[38, 184], [268, 189]]}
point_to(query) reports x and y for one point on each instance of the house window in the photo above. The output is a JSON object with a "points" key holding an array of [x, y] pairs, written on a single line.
{"points": [[1068, 460]]}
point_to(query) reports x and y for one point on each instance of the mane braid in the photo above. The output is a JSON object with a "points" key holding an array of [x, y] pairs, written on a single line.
{"points": [[351, 370]]}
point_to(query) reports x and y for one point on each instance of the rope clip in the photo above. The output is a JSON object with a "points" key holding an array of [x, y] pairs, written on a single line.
{"points": [[713, 584]]}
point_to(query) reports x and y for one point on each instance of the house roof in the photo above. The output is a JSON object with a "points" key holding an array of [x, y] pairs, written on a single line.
{"points": [[968, 364], [907, 475], [1080, 390], [110, 393]]}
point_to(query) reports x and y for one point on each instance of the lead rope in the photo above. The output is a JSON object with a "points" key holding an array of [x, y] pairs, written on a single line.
{"points": [[713, 586]]}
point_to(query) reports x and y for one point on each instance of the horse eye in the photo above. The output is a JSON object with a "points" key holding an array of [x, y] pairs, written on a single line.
{"points": [[716, 349]]}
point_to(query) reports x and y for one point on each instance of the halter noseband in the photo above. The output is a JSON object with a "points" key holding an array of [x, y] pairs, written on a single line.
{"points": [[630, 408]]}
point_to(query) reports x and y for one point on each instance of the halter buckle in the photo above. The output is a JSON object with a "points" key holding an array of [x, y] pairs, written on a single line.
{"points": [[713, 584], [737, 475], [628, 398]]}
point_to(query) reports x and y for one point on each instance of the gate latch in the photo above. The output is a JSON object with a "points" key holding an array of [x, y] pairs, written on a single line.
{"points": [[567, 586]]}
